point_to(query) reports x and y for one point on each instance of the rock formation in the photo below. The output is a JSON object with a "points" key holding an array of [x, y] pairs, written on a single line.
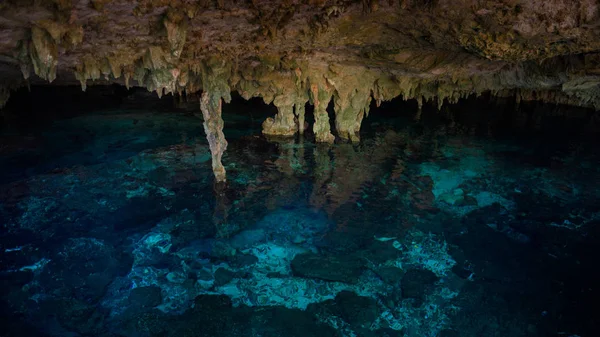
{"points": [[295, 52], [213, 126]]}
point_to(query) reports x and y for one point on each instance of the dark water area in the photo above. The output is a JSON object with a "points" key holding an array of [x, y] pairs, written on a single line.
{"points": [[482, 219]]}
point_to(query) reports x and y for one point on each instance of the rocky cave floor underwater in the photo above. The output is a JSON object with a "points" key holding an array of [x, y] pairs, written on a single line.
{"points": [[112, 226]]}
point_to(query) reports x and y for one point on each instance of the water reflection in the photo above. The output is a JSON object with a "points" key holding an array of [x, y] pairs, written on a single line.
{"points": [[406, 233]]}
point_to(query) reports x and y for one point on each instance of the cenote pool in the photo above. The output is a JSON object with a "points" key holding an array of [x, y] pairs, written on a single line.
{"points": [[479, 220]]}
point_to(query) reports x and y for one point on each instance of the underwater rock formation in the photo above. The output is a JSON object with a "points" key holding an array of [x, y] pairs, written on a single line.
{"points": [[296, 52]]}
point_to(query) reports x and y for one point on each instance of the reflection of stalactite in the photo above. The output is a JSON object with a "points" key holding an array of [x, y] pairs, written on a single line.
{"points": [[221, 211], [398, 170], [290, 159], [300, 153], [323, 173], [276, 185], [351, 173], [341, 179], [286, 156]]}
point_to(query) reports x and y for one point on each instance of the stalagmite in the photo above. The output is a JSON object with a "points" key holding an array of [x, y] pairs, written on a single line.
{"points": [[321, 128], [300, 111], [352, 90], [283, 124], [210, 104], [349, 116], [348, 124]]}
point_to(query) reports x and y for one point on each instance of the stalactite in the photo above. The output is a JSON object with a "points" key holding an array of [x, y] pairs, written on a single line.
{"points": [[44, 54], [565, 73], [115, 67], [22, 55], [420, 108], [210, 105], [176, 25], [4, 96]]}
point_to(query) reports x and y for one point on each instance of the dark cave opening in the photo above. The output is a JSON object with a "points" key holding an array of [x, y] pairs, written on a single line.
{"points": [[494, 116], [475, 115]]}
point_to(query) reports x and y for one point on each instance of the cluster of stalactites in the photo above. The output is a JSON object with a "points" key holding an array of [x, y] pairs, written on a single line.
{"points": [[353, 88], [40, 49], [157, 68], [351, 102]]}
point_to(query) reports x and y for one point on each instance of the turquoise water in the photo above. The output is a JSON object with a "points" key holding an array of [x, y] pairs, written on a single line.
{"points": [[112, 226]]}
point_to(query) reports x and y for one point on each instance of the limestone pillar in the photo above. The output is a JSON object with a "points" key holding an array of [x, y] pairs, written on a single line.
{"points": [[300, 113], [210, 105], [321, 127], [283, 124], [348, 118]]}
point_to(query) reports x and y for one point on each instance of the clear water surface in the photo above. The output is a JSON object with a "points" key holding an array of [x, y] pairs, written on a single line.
{"points": [[112, 226]]}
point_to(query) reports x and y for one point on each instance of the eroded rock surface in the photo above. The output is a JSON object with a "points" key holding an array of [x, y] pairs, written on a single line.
{"points": [[340, 269]]}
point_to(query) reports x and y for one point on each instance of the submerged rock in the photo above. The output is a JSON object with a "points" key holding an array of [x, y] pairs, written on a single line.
{"points": [[330, 268], [222, 250], [223, 276], [417, 282], [289, 225], [248, 238], [176, 277], [145, 297], [78, 316], [214, 315], [390, 275], [242, 260], [149, 323], [86, 267], [358, 311]]}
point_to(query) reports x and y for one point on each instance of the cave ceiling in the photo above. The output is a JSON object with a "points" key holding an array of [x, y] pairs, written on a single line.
{"points": [[415, 48]]}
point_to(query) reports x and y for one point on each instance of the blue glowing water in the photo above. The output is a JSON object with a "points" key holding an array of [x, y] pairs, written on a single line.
{"points": [[111, 226]]}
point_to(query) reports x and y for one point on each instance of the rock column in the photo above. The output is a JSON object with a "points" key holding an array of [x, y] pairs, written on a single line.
{"points": [[300, 112], [283, 124], [321, 128], [348, 118], [210, 105]]}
